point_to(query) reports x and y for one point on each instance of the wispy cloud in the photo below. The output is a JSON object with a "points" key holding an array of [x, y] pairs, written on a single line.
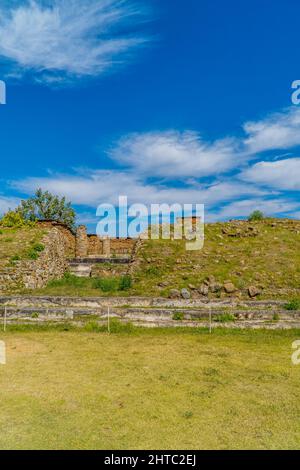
{"points": [[62, 40], [279, 174], [243, 207], [174, 154], [178, 155], [7, 203], [277, 131], [94, 187], [182, 167]]}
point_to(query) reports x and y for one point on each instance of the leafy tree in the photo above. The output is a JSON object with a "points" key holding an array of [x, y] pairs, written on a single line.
{"points": [[45, 205], [255, 216]]}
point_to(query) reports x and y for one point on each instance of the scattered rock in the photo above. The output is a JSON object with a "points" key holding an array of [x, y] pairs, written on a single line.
{"points": [[204, 289], [229, 288], [253, 291], [163, 284], [174, 294], [192, 287], [216, 287], [185, 294]]}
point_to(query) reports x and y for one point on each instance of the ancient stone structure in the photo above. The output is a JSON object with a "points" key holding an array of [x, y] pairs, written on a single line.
{"points": [[82, 243], [51, 264], [61, 247], [106, 247]]}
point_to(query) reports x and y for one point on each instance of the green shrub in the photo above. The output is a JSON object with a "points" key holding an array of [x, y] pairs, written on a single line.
{"points": [[152, 271], [276, 317], [225, 318], [38, 247], [34, 252], [125, 283], [178, 316], [106, 284], [14, 219], [69, 280], [93, 327], [256, 216], [14, 258], [293, 304]]}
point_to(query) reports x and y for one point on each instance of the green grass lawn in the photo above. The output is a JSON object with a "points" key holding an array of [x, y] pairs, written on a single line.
{"points": [[145, 389]]}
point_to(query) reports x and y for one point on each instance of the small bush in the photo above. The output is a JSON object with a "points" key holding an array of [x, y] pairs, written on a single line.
{"points": [[178, 316], [15, 258], [225, 318], [294, 304], [32, 254], [125, 283], [116, 326], [106, 284], [14, 219], [69, 280], [256, 216], [93, 327], [276, 317], [38, 247], [35, 251], [152, 271]]}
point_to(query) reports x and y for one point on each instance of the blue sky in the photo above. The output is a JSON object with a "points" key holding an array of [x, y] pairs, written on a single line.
{"points": [[161, 100]]}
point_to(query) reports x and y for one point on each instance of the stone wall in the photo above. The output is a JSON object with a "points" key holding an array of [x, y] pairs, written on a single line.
{"points": [[69, 238], [33, 274], [93, 246], [122, 246]]}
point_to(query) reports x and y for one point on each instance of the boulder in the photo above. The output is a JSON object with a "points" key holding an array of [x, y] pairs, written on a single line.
{"points": [[229, 288], [163, 284], [204, 289], [174, 294], [216, 287], [253, 291], [211, 279], [185, 294], [192, 287]]}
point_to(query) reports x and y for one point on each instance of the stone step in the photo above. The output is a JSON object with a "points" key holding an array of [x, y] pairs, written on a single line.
{"points": [[81, 270], [100, 260]]}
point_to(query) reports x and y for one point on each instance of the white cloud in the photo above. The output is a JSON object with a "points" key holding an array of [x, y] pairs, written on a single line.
{"points": [[95, 187], [181, 155], [66, 39], [7, 203], [277, 131], [174, 154], [279, 174], [244, 207]]}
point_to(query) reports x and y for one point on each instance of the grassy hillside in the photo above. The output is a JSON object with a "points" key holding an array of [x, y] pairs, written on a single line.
{"points": [[264, 255], [18, 244]]}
